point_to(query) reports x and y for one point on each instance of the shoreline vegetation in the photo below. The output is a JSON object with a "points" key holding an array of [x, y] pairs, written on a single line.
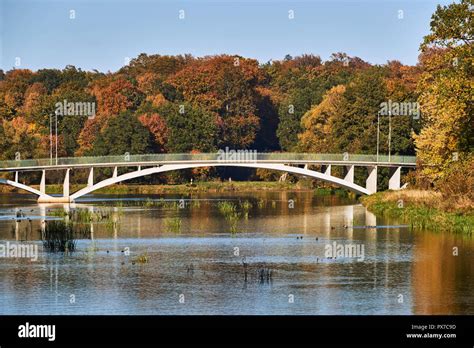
{"points": [[422, 209], [197, 187]]}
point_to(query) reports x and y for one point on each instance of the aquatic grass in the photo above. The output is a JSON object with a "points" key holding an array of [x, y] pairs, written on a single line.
{"points": [[58, 213], [111, 225], [149, 203], [226, 208], [83, 215], [60, 236], [233, 219], [419, 213], [230, 213], [142, 258], [246, 206], [323, 191], [173, 225]]}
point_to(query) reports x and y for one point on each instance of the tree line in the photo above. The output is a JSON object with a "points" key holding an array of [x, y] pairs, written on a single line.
{"points": [[159, 103]]}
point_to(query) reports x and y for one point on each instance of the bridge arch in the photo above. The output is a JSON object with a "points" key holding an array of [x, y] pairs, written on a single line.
{"points": [[171, 167], [23, 187]]}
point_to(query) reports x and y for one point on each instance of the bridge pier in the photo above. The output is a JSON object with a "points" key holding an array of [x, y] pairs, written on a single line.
{"points": [[349, 177], [66, 184], [327, 169], [394, 181], [90, 179], [45, 198], [371, 182], [43, 182]]}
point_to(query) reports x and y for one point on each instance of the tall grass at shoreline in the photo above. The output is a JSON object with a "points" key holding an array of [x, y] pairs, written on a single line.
{"points": [[421, 210]]}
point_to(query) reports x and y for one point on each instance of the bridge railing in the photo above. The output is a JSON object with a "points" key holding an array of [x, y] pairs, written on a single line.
{"points": [[224, 157]]}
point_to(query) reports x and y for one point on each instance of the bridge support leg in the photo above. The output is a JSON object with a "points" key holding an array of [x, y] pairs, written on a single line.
{"points": [[50, 199], [114, 175], [66, 184], [349, 174], [394, 181], [16, 176], [327, 170], [90, 180], [371, 182], [43, 182]]}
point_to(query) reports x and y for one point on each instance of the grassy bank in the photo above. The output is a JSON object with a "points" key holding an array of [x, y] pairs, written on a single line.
{"points": [[199, 187], [423, 210], [211, 186]]}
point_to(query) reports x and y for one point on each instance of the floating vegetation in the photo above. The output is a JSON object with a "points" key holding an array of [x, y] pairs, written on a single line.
{"points": [[161, 203], [84, 215], [173, 225], [60, 236], [142, 258]]}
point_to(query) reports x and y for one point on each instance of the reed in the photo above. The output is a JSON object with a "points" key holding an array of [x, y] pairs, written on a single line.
{"points": [[173, 225], [60, 236], [231, 214], [419, 210], [246, 206]]}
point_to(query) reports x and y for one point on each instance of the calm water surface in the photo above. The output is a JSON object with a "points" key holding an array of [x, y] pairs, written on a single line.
{"points": [[200, 269]]}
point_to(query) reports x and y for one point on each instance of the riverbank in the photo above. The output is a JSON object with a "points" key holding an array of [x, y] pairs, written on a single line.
{"points": [[421, 209], [198, 187]]}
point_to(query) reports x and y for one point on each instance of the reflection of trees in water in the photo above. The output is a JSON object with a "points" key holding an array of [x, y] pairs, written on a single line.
{"points": [[439, 277]]}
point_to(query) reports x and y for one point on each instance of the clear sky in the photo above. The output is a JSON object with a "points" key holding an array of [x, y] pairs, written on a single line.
{"points": [[105, 32]]}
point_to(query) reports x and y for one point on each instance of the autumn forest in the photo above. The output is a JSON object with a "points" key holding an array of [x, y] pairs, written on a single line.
{"points": [[176, 104]]}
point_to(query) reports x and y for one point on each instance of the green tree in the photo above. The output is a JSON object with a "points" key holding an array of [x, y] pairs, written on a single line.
{"points": [[189, 128], [355, 128], [123, 134]]}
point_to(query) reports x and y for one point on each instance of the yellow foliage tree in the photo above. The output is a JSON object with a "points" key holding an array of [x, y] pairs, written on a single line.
{"points": [[446, 90], [317, 122]]}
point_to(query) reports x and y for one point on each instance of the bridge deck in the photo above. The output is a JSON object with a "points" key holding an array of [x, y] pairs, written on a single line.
{"points": [[207, 158]]}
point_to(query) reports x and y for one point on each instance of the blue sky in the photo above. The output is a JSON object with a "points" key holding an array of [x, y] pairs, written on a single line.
{"points": [[105, 32]]}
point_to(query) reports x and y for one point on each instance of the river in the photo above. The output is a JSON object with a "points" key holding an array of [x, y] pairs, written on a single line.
{"points": [[183, 254]]}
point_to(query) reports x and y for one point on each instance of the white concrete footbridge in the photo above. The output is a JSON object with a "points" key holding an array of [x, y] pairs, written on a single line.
{"points": [[127, 167]]}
